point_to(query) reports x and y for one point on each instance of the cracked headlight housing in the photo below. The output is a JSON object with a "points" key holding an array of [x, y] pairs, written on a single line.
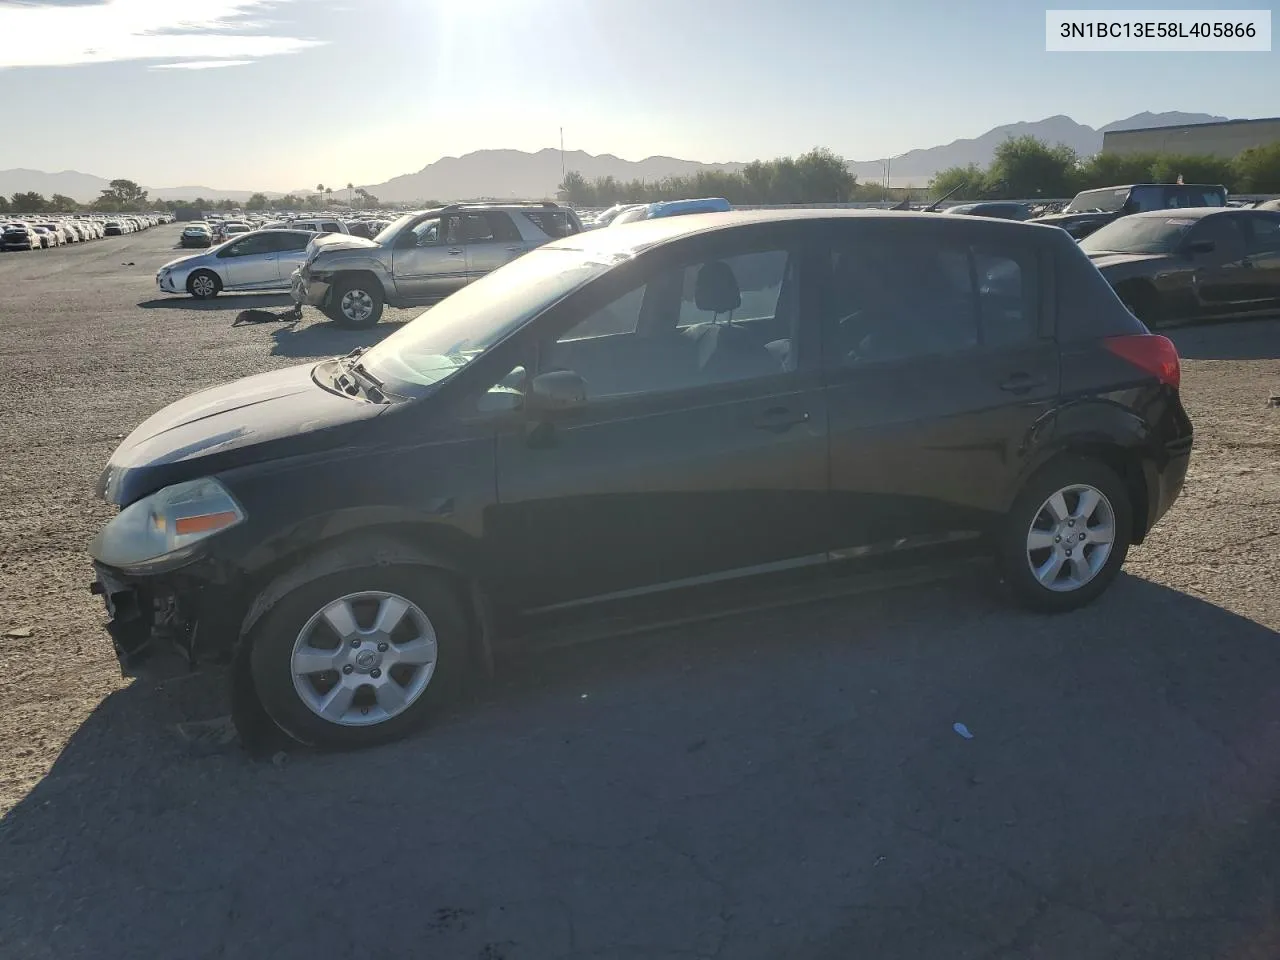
{"points": [[164, 529]]}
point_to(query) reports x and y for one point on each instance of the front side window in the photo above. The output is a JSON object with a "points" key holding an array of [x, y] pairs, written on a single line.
{"points": [[907, 297], [1223, 231], [1264, 234], [713, 321], [251, 245]]}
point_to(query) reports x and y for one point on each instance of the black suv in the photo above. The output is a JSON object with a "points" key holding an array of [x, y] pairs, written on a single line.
{"points": [[632, 411], [1091, 209]]}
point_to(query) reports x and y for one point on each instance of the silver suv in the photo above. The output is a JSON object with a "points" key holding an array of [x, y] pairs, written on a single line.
{"points": [[422, 257]]}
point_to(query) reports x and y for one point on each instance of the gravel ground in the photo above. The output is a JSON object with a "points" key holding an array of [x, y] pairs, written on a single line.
{"points": [[780, 784]]}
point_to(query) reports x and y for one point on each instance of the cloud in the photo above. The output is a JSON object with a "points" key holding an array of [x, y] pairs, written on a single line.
{"points": [[200, 64], [231, 32]]}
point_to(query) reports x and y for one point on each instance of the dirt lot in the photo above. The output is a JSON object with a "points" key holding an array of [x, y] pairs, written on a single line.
{"points": [[786, 783]]}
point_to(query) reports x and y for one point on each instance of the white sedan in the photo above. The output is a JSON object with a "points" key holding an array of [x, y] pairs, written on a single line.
{"points": [[262, 260]]}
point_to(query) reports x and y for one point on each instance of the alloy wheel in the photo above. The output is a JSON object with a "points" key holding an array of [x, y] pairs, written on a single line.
{"points": [[356, 305], [1071, 537], [364, 658]]}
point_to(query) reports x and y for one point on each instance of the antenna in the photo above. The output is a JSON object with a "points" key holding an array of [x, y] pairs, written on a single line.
{"points": [[562, 154]]}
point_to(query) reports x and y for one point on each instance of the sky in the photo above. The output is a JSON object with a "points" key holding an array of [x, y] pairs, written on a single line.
{"points": [[283, 94]]}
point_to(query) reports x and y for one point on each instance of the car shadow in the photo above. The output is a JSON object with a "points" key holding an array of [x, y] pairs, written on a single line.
{"points": [[224, 301], [1238, 340], [326, 339], [918, 772]]}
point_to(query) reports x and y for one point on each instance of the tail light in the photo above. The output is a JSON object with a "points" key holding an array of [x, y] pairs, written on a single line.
{"points": [[1155, 354]]}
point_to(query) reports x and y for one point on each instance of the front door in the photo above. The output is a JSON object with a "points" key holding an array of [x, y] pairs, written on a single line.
{"points": [[938, 367], [1220, 276], [701, 450], [431, 259], [250, 262], [492, 240]]}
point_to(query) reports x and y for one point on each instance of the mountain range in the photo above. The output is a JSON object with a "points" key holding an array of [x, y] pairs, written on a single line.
{"points": [[516, 173]]}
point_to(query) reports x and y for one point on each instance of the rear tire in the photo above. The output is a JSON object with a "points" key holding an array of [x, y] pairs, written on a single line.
{"points": [[356, 302], [1066, 536], [384, 682], [204, 285]]}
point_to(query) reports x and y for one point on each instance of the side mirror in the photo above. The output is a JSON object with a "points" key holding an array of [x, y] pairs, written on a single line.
{"points": [[556, 391], [1198, 247], [406, 240]]}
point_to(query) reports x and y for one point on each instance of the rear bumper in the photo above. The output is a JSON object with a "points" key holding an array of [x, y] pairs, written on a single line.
{"points": [[1166, 469]]}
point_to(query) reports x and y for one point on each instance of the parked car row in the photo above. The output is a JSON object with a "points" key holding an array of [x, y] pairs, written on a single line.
{"points": [[42, 233]]}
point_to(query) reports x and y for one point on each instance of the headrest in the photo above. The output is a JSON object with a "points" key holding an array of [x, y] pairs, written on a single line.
{"points": [[716, 289]]}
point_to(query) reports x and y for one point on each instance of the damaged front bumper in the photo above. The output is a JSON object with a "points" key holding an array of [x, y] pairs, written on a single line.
{"points": [[187, 614]]}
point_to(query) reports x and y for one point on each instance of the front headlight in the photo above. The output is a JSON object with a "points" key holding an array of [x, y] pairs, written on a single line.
{"points": [[167, 525]]}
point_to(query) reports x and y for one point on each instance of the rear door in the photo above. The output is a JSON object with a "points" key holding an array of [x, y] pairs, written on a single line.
{"points": [[938, 365], [491, 240], [291, 251], [1262, 243]]}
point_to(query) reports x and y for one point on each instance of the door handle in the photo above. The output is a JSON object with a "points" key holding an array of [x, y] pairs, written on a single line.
{"points": [[1247, 263], [455, 252], [1022, 383], [780, 419]]}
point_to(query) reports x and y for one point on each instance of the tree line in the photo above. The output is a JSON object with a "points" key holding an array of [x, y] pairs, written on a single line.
{"points": [[819, 176], [125, 196], [1026, 167]]}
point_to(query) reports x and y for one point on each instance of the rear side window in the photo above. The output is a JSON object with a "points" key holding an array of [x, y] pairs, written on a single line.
{"points": [[921, 296], [554, 223], [286, 242], [502, 229], [1087, 306], [331, 227], [1147, 198]]}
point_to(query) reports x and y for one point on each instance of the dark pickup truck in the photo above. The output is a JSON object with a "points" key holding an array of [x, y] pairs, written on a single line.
{"points": [[1091, 209]]}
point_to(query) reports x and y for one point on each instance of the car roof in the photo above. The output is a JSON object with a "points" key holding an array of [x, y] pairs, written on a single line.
{"points": [[642, 234]]}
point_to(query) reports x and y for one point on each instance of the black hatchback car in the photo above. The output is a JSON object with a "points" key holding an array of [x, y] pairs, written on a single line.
{"points": [[626, 412]]}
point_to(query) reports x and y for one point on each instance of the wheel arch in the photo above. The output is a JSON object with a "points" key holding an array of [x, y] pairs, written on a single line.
{"points": [[425, 545], [1124, 459]]}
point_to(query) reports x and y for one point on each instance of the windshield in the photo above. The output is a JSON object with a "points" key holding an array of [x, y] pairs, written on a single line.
{"points": [[1108, 201], [391, 229], [465, 324], [1138, 235]]}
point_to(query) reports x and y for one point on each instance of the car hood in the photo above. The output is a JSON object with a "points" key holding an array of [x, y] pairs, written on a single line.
{"points": [[181, 260], [263, 416], [1111, 261], [340, 241]]}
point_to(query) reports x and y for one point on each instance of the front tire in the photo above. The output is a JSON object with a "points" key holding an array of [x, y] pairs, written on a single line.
{"points": [[1066, 536], [356, 302], [204, 285], [360, 657]]}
